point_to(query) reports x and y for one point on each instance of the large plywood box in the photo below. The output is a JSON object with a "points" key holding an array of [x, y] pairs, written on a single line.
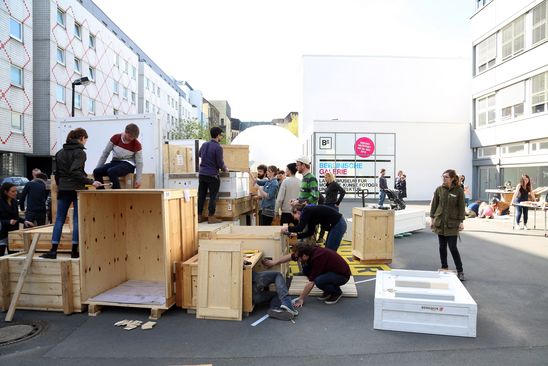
{"points": [[373, 234], [266, 239], [177, 159], [424, 302], [230, 209], [19, 239], [236, 157], [50, 284], [220, 276], [132, 238]]}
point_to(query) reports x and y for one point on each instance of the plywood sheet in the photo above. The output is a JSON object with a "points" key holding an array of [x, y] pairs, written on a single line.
{"points": [[298, 283]]}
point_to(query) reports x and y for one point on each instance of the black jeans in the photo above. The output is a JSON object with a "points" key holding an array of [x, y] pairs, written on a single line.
{"points": [[266, 220], [452, 242], [212, 184], [38, 217], [113, 171]]}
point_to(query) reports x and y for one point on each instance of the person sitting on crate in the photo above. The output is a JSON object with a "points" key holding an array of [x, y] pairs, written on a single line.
{"points": [[325, 269], [281, 306], [127, 157], [211, 161]]}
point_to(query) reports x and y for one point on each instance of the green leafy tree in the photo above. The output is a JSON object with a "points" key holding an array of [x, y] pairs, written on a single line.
{"points": [[188, 129]]}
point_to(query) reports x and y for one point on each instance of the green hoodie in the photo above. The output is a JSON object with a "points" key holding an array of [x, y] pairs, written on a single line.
{"points": [[447, 210]]}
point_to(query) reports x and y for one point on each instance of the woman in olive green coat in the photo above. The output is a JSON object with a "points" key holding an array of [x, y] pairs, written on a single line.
{"points": [[447, 215]]}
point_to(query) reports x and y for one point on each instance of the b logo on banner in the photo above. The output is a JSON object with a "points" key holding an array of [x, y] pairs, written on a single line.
{"points": [[325, 143]]}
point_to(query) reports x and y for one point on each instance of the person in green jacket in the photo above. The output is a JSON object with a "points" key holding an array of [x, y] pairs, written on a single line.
{"points": [[447, 215]]}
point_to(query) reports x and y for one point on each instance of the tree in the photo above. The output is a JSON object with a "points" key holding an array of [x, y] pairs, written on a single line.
{"points": [[188, 129]]}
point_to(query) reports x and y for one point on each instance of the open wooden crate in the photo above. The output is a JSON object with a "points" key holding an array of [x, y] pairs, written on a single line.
{"points": [[50, 284], [129, 242], [266, 239]]}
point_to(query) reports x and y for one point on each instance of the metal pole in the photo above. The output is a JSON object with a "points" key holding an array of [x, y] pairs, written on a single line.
{"points": [[72, 100]]}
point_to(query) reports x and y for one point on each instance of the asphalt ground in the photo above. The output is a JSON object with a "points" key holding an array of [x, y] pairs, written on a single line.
{"points": [[507, 275]]}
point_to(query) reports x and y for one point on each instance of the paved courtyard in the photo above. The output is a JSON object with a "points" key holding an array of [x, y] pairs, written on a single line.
{"points": [[506, 274]]}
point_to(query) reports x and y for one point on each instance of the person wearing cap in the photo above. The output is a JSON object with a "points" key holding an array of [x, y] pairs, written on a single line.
{"points": [[309, 184]]}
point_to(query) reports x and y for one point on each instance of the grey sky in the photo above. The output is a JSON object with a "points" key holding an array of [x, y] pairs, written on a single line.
{"points": [[249, 52]]}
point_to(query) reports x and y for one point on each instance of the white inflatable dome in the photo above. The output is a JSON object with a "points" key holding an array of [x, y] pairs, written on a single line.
{"points": [[269, 145]]}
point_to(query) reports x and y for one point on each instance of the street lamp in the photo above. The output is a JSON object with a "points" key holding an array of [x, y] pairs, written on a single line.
{"points": [[82, 81]]}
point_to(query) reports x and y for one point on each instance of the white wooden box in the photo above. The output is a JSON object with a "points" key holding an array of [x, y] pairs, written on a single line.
{"points": [[424, 302], [409, 220], [233, 184]]}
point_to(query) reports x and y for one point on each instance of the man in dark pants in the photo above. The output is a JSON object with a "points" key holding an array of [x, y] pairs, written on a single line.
{"points": [[211, 161], [280, 304], [382, 187], [35, 194]]}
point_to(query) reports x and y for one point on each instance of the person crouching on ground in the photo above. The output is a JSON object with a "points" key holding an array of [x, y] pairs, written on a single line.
{"points": [[281, 306], [447, 215], [486, 211], [501, 208], [324, 268], [127, 157]]}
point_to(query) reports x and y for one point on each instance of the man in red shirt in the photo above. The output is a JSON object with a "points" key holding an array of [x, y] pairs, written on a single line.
{"points": [[324, 268]]}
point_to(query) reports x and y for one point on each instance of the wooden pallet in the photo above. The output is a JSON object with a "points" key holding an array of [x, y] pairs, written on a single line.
{"points": [[95, 308], [298, 282]]}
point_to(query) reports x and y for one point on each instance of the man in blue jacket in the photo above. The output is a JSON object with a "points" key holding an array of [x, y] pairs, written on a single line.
{"points": [[211, 161], [35, 194]]}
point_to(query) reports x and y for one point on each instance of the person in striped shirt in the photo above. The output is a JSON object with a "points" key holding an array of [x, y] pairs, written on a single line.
{"points": [[127, 157], [309, 183]]}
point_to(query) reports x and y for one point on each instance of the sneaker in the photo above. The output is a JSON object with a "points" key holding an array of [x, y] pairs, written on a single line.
{"points": [[333, 299], [525, 228], [460, 275], [324, 296], [49, 255], [280, 314], [287, 305], [521, 227], [213, 220]]}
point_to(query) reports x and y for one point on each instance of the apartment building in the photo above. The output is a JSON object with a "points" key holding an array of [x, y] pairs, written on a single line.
{"points": [[16, 85], [509, 93], [224, 116]]}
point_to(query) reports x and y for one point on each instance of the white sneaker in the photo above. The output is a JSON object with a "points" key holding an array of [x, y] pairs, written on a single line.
{"points": [[521, 228], [525, 228]]}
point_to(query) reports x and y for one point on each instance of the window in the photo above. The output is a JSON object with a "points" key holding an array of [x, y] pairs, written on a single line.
{"points": [[147, 107], [512, 99], [148, 83], [540, 93], [539, 147], [117, 61], [153, 88], [133, 97], [126, 67], [486, 54], [485, 111], [91, 105], [158, 92], [16, 74], [125, 93], [78, 65], [115, 112], [133, 72], [61, 17], [61, 56], [487, 152], [16, 30], [16, 121], [515, 149], [91, 73], [77, 100], [513, 38], [539, 23], [482, 3], [78, 31], [115, 87], [60, 93], [91, 41]]}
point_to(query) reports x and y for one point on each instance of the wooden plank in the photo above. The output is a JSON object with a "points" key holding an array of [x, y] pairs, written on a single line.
{"points": [[45, 302], [236, 157], [179, 289], [208, 231], [298, 282], [28, 261], [4, 284], [66, 287], [247, 297], [230, 209], [18, 238], [189, 283], [220, 273]]}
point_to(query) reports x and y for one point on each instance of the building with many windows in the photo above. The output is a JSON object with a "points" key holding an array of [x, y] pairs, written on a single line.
{"points": [[509, 93]]}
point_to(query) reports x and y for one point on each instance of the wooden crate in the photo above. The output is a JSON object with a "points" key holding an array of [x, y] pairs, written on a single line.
{"points": [[373, 235], [208, 231], [127, 181], [187, 282], [236, 157], [230, 209], [220, 276], [134, 235], [266, 239], [50, 284], [177, 159], [17, 238]]}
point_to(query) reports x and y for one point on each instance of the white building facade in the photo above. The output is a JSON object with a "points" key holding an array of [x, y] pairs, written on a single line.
{"points": [[509, 93], [363, 114]]}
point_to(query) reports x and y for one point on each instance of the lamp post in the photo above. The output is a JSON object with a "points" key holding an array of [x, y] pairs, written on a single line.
{"points": [[82, 81]]}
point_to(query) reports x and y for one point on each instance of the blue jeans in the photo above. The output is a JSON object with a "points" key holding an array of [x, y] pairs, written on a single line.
{"points": [[331, 282], [519, 211], [382, 196], [336, 234], [64, 199], [114, 170], [260, 292]]}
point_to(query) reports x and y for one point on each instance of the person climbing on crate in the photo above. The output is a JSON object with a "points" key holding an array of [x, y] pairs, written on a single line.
{"points": [[281, 306], [127, 157], [211, 161], [324, 268]]}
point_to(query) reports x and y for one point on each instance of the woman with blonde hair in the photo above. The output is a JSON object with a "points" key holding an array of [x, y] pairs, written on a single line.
{"points": [[334, 193]]}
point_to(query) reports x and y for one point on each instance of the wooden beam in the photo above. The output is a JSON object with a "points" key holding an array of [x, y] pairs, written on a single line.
{"points": [[28, 261], [4, 285], [66, 287]]}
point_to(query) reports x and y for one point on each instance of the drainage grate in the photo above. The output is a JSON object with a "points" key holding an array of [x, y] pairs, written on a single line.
{"points": [[20, 331]]}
